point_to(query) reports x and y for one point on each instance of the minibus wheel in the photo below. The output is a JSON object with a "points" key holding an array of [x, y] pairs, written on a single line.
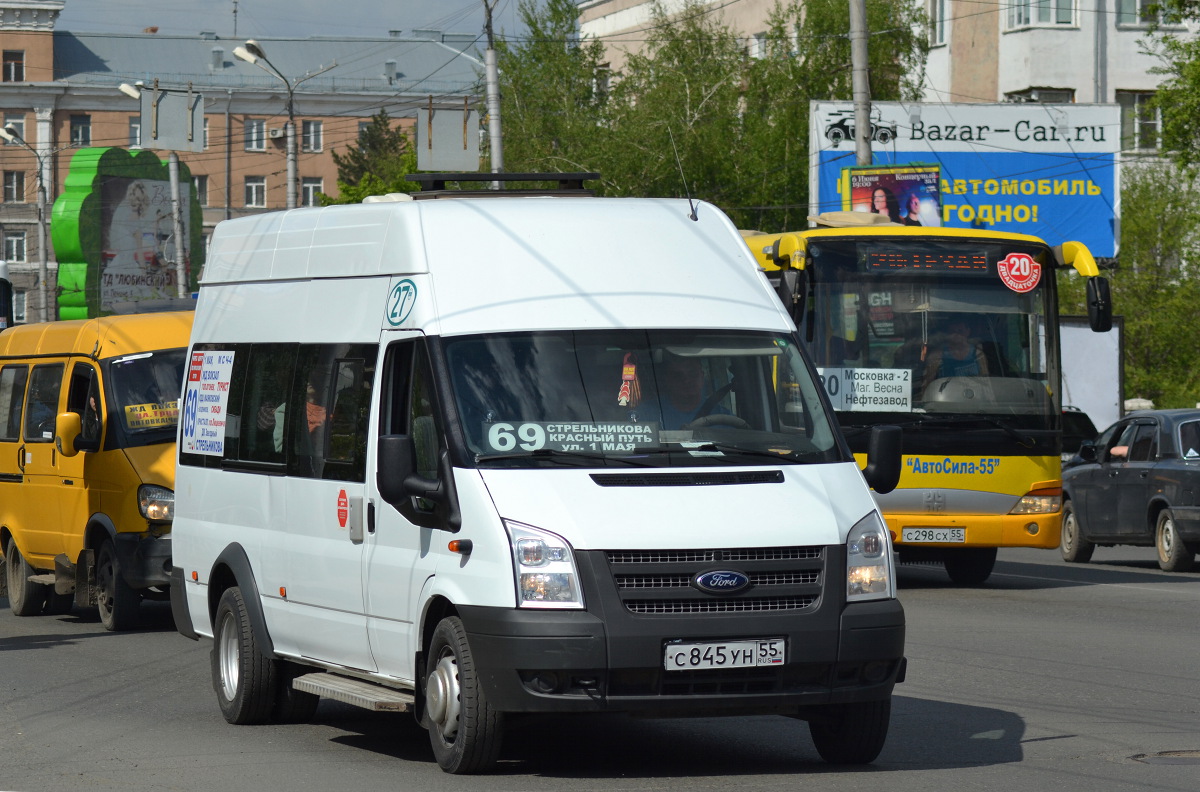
{"points": [[851, 733], [970, 566], [464, 730], [117, 601], [25, 597], [243, 677]]}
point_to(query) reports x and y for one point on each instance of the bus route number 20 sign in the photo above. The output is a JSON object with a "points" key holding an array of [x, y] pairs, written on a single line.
{"points": [[1019, 272]]}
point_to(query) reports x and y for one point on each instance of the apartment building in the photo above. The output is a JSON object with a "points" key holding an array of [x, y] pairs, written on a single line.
{"points": [[59, 92], [1047, 51]]}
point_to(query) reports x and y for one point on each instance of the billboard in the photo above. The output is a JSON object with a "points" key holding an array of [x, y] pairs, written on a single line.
{"points": [[1041, 169], [113, 233]]}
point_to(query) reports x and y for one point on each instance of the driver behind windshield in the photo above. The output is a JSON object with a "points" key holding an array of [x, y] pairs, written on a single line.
{"points": [[683, 392]]}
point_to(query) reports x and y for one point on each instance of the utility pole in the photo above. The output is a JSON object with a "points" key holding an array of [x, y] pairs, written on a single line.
{"points": [[492, 72], [860, 81]]}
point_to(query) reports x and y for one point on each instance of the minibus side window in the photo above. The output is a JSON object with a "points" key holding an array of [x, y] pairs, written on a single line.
{"points": [[409, 409], [41, 403], [83, 398], [12, 390], [263, 389], [329, 409]]}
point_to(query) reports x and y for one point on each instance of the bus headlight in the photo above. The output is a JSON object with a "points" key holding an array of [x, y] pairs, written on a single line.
{"points": [[544, 564], [1042, 501], [870, 571], [157, 504]]}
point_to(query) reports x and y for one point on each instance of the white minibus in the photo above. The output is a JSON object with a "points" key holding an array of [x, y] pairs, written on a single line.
{"points": [[479, 456]]}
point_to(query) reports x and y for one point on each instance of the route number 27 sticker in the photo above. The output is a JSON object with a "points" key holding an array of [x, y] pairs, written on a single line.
{"points": [[1019, 272], [401, 301]]}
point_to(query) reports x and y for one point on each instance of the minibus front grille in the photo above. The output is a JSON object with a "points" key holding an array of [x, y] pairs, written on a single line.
{"points": [[671, 582], [714, 556], [685, 581], [696, 479], [757, 605]]}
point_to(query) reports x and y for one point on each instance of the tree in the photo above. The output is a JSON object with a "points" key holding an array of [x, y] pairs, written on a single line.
{"points": [[690, 112], [553, 91], [1178, 96], [377, 165], [1155, 288]]}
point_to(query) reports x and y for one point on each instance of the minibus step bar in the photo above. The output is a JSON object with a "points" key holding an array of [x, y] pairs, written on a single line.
{"points": [[355, 692]]}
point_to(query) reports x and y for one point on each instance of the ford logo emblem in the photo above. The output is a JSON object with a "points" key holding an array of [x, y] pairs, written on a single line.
{"points": [[721, 581]]}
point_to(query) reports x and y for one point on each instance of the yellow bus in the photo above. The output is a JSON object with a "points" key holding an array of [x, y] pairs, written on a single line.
{"points": [[951, 334], [88, 413]]}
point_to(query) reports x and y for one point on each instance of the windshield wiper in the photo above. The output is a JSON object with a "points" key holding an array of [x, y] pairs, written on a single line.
{"points": [[709, 447], [1025, 440], [558, 457]]}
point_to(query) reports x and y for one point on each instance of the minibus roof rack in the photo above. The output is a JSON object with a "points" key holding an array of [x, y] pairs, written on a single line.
{"points": [[433, 185]]}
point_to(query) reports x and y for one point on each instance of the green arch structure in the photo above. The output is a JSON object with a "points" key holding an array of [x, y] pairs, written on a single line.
{"points": [[77, 218]]}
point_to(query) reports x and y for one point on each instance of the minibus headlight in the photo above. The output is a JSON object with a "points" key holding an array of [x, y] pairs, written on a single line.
{"points": [[544, 565], [1043, 501], [157, 504], [870, 571]]}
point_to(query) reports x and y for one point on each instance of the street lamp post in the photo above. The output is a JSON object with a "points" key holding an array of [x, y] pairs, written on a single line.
{"points": [[10, 134], [252, 52]]}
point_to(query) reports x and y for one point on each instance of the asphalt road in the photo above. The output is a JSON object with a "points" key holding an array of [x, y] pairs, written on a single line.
{"points": [[1051, 677]]}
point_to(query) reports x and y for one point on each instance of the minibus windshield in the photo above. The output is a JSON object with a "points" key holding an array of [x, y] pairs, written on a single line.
{"points": [[145, 393], [638, 397]]}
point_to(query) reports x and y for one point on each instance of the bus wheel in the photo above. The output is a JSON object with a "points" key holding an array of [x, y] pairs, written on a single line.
{"points": [[464, 730], [970, 566], [851, 733], [1073, 546], [117, 600], [1173, 554], [242, 675], [24, 596]]}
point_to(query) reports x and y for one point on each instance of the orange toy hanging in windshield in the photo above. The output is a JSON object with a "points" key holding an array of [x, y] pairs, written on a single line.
{"points": [[631, 390]]}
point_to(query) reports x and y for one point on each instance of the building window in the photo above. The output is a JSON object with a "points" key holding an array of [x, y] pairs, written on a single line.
{"points": [[256, 134], [757, 46], [1029, 13], [201, 183], [1139, 120], [81, 130], [206, 134], [256, 191], [1042, 96], [135, 131], [14, 186], [937, 22], [14, 66], [18, 307], [363, 126], [311, 136], [309, 190], [14, 246], [17, 122], [1138, 12]]}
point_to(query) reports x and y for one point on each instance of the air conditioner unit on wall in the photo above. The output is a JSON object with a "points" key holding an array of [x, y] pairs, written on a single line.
{"points": [[276, 133]]}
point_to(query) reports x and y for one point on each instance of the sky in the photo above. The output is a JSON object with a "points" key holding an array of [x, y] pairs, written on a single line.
{"points": [[283, 18]]}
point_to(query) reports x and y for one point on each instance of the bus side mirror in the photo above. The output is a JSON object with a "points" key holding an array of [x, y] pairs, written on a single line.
{"points": [[1099, 304], [67, 428], [883, 458], [398, 483], [395, 465]]}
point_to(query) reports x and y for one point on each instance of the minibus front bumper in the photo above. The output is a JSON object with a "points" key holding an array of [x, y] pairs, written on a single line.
{"points": [[608, 658]]}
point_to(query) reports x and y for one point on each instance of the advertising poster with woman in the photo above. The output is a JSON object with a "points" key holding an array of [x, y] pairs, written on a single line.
{"points": [[907, 195], [138, 252]]}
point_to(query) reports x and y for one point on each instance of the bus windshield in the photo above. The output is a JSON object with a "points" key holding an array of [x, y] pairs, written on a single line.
{"points": [[638, 398], [955, 328]]}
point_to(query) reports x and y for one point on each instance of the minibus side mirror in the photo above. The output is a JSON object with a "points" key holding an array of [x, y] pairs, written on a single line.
{"points": [[1099, 304], [883, 458], [67, 428], [398, 484]]}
